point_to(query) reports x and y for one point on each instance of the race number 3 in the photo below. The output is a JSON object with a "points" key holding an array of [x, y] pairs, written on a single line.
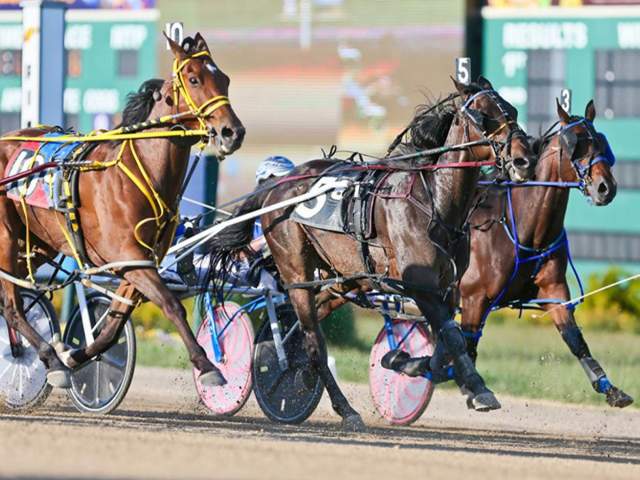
{"points": [[565, 99], [175, 31], [463, 70]]}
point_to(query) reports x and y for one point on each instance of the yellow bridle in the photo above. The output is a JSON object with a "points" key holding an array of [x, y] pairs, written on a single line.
{"points": [[200, 112], [125, 134]]}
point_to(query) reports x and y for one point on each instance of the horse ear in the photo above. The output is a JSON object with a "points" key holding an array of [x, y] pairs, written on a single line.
{"points": [[461, 87], [201, 44], [177, 50], [562, 114], [484, 83], [590, 111]]}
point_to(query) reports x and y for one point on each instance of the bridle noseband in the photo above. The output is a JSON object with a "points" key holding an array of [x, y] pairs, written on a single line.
{"points": [[501, 149], [568, 142]]}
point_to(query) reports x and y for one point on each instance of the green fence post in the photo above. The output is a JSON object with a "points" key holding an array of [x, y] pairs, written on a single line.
{"points": [[211, 166]]}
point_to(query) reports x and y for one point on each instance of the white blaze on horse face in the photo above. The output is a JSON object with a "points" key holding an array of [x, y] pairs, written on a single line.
{"points": [[311, 208]]}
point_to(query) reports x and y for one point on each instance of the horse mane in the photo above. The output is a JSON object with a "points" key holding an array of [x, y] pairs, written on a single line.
{"points": [[140, 103], [430, 124]]}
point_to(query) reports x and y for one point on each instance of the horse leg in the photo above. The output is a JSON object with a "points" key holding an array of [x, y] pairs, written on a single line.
{"points": [[473, 309], [148, 283], [565, 322], [440, 316], [110, 331], [57, 373], [303, 301]]}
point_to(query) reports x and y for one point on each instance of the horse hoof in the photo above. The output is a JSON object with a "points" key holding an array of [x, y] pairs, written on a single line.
{"points": [[394, 359], [617, 398], [485, 402], [67, 358], [353, 423], [59, 378], [212, 378]]}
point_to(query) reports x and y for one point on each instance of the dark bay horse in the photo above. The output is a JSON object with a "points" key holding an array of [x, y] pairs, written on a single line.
{"points": [[127, 210], [538, 215], [418, 223]]}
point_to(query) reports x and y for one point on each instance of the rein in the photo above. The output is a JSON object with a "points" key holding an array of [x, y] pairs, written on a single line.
{"points": [[126, 135], [523, 255]]}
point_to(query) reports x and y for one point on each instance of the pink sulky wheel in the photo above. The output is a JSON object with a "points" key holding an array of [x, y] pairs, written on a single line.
{"points": [[398, 398], [236, 342]]}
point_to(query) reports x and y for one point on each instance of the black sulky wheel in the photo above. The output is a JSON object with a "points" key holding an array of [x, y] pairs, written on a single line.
{"points": [[291, 395], [100, 385], [23, 377]]}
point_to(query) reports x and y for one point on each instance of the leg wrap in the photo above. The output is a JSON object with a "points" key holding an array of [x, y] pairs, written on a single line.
{"points": [[453, 339], [455, 343], [595, 374], [572, 336]]}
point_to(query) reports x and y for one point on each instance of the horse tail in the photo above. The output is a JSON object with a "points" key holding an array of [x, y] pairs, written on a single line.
{"points": [[224, 247], [240, 234]]}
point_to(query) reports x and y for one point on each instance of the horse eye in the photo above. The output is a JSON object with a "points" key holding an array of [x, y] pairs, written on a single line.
{"points": [[193, 81]]}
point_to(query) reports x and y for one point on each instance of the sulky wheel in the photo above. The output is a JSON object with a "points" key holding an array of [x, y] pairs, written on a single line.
{"points": [[398, 398], [291, 395], [99, 385], [235, 337], [23, 377]]}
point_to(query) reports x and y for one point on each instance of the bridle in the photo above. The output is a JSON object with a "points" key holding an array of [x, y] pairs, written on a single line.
{"points": [[179, 86], [568, 142], [501, 149]]}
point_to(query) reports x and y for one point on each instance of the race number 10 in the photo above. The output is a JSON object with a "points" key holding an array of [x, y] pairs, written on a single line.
{"points": [[463, 70], [175, 31], [565, 99]]}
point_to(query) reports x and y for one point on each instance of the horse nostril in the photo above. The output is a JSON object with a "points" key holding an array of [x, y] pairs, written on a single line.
{"points": [[227, 132], [603, 188], [521, 162]]}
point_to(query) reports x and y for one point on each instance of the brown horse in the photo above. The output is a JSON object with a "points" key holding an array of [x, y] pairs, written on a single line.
{"points": [[538, 213], [115, 211], [418, 222]]}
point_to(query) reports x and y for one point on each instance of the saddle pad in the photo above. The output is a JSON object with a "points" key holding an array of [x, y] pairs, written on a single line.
{"points": [[325, 211], [41, 189]]}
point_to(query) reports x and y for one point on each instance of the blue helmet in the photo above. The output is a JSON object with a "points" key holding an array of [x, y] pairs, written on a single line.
{"points": [[276, 166]]}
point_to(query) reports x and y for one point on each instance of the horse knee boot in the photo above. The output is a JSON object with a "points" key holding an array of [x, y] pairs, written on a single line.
{"points": [[466, 373]]}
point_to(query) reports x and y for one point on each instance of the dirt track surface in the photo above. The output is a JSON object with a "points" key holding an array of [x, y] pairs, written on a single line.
{"points": [[161, 432]]}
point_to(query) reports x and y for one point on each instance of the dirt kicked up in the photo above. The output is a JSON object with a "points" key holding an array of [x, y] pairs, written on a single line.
{"points": [[161, 432]]}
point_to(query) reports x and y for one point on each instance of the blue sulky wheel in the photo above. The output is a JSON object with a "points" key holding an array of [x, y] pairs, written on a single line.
{"points": [[292, 394], [23, 377], [100, 385]]}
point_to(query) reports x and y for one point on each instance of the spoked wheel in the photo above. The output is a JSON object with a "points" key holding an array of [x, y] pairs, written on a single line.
{"points": [[291, 395], [235, 338], [398, 398], [23, 377], [101, 384]]}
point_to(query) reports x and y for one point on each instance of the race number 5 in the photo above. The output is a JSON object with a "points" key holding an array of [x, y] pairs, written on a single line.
{"points": [[565, 99], [175, 31], [463, 70]]}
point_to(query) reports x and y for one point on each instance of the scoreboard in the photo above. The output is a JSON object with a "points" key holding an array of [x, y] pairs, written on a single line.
{"points": [[109, 53], [530, 55]]}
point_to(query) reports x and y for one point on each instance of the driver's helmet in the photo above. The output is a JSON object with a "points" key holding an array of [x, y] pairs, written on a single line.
{"points": [[276, 166]]}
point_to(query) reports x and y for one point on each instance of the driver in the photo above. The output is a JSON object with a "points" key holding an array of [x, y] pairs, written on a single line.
{"points": [[271, 167]]}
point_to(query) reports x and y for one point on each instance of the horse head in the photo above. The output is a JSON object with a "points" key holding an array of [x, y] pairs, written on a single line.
{"points": [[200, 94], [495, 120], [588, 154]]}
